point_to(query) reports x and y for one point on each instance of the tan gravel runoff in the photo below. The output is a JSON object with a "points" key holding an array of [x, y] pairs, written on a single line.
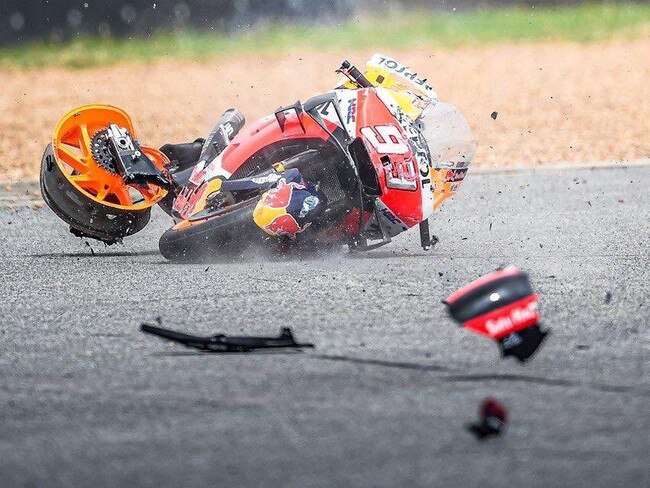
{"points": [[556, 102]]}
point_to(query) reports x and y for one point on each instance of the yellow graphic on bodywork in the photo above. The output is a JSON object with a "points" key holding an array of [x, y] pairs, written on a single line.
{"points": [[263, 214], [411, 103], [405, 98], [211, 187]]}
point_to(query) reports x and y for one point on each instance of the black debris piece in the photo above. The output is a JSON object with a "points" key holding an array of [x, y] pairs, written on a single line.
{"points": [[493, 417], [522, 344], [608, 297], [494, 115], [224, 343], [92, 251]]}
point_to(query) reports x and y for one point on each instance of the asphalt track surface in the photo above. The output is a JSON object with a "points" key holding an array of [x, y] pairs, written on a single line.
{"points": [[87, 400]]}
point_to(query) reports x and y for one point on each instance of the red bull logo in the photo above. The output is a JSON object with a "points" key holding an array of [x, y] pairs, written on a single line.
{"points": [[454, 175], [287, 209], [272, 211], [283, 225], [280, 196]]}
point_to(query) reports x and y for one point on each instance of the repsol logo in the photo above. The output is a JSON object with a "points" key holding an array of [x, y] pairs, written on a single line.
{"points": [[393, 65]]}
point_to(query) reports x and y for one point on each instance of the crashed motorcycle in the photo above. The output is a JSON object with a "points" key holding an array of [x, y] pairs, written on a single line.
{"points": [[357, 165]]}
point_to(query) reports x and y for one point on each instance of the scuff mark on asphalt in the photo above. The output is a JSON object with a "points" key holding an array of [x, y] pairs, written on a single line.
{"points": [[487, 377], [550, 382], [452, 378], [380, 362], [99, 254]]}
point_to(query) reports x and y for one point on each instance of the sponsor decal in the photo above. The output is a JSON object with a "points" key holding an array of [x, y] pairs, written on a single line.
{"points": [[454, 175], [504, 321], [347, 108], [283, 210], [444, 164], [280, 196], [516, 317], [391, 217], [512, 340], [310, 203], [272, 178], [392, 65], [389, 221], [416, 139], [351, 115], [283, 225], [228, 128]]}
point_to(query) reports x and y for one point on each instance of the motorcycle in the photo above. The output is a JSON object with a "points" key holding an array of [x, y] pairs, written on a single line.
{"points": [[357, 165]]}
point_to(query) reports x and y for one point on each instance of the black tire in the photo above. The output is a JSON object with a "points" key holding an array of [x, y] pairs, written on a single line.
{"points": [[86, 217], [226, 234]]}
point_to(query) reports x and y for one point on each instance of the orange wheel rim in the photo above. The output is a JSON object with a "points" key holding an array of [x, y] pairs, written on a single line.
{"points": [[72, 142]]}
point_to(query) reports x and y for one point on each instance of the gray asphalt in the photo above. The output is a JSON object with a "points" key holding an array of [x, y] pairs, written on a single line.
{"points": [[87, 400]]}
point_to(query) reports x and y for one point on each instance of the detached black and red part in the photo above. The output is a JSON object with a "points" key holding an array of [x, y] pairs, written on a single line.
{"points": [[493, 417], [502, 306]]}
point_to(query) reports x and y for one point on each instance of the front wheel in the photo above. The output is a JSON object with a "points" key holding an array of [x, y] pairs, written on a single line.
{"points": [[226, 233]]}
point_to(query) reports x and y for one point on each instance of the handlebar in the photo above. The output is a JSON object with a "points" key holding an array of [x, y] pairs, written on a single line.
{"points": [[354, 74]]}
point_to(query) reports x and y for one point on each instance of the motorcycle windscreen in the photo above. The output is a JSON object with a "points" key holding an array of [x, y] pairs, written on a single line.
{"points": [[448, 136], [451, 146]]}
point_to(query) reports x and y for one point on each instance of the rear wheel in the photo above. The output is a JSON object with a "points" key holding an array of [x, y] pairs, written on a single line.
{"points": [[81, 184], [86, 217], [228, 232]]}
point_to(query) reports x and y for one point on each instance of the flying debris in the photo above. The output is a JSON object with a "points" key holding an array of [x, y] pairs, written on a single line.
{"points": [[224, 343], [493, 417], [502, 306]]}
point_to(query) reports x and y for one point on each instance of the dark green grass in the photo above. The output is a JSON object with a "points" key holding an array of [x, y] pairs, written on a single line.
{"points": [[585, 23]]}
